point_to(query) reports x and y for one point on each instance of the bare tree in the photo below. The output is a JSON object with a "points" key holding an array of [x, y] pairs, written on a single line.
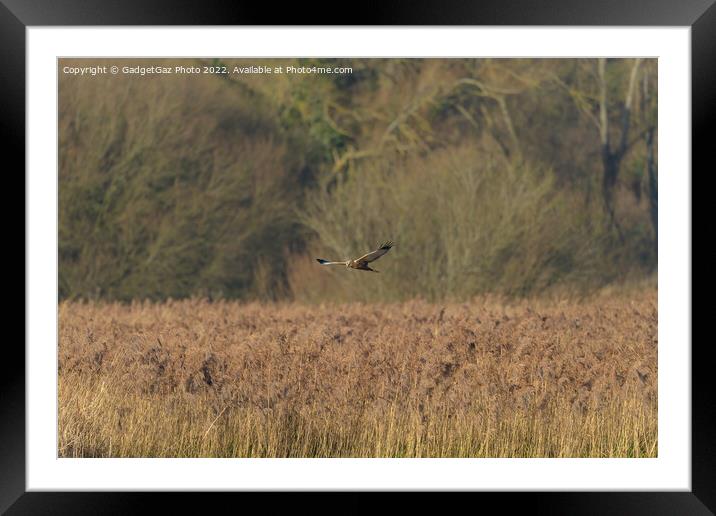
{"points": [[650, 162], [613, 155], [614, 138]]}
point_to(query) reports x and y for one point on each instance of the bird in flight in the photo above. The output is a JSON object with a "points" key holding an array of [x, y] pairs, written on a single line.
{"points": [[361, 263]]}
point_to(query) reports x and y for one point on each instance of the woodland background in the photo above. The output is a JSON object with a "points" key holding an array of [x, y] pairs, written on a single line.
{"points": [[512, 177]]}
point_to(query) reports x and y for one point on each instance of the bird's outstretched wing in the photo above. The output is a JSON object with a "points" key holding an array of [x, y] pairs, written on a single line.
{"points": [[374, 255]]}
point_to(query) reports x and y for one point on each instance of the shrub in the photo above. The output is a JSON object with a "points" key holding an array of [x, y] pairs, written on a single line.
{"points": [[465, 223]]}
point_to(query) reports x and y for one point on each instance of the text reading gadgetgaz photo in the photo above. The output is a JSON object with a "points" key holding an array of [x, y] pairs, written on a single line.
{"points": [[203, 69]]}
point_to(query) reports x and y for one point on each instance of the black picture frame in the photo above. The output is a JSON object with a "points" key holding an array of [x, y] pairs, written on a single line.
{"points": [[17, 15]]}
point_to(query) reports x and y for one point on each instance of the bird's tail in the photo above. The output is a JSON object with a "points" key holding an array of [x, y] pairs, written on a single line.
{"points": [[326, 262]]}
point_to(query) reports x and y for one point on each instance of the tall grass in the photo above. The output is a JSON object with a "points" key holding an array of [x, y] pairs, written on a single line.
{"points": [[479, 379], [100, 419]]}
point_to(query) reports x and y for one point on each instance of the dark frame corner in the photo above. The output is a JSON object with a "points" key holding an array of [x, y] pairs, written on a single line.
{"points": [[17, 15]]}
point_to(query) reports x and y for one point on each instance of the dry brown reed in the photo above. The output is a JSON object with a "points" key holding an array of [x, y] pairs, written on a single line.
{"points": [[482, 379]]}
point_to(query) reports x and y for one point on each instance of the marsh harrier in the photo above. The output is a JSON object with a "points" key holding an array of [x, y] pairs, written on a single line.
{"points": [[361, 263]]}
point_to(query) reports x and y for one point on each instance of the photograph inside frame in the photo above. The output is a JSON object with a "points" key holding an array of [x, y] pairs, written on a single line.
{"points": [[314, 257]]}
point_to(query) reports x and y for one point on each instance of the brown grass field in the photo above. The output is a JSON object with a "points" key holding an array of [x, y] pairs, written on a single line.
{"points": [[195, 378]]}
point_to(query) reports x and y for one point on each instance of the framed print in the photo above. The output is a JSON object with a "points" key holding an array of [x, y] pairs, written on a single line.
{"points": [[384, 256]]}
